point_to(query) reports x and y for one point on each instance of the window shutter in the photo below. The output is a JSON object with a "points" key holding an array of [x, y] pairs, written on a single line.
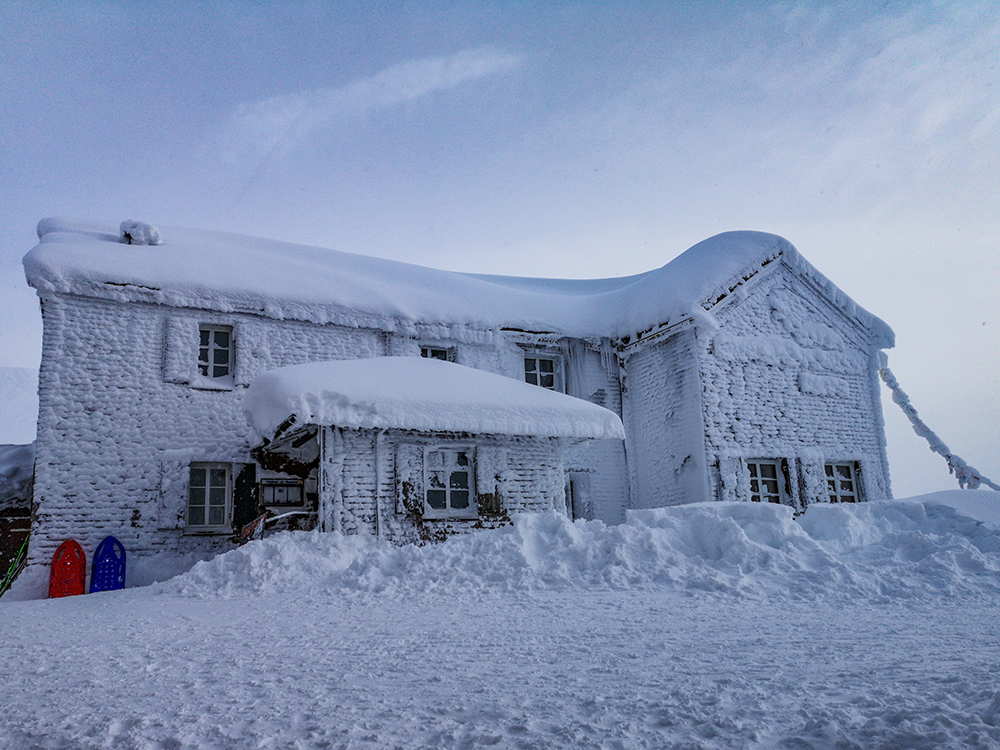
{"points": [[812, 479], [491, 463], [172, 501], [734, 478], [410, 479], [180, 363], [250, 351]]}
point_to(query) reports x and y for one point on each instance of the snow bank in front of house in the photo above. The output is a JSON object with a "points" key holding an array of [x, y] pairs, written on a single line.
{"points": [[885, 550], [229, 272], [414, 393]]}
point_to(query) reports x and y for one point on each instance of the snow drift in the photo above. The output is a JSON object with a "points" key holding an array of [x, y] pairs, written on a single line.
{"points": [[877, 551]]}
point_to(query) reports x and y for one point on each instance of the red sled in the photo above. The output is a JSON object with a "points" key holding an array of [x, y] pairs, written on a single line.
{"points": [[69, 570]]}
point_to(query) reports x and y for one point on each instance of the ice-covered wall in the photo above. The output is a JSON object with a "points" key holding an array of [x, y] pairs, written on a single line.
{"points": [[372, 481], [585, 373], [124, 413], [663, 421], [788, 376], [121, 415]]}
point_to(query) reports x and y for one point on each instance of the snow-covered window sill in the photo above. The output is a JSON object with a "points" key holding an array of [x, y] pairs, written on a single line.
{"points": [[213, 384]]}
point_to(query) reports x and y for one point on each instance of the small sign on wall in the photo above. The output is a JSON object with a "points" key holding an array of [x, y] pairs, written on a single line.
{"points": [[281, 492]]}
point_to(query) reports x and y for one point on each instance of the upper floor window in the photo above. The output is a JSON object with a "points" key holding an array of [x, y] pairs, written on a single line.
{"points": [[445, 354], [842, 483], [215, 351], [449, 481], [209, 493], [543, 371], [768, 483]]}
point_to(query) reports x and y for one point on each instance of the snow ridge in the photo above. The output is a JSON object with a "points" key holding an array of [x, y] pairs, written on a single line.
{"points": [[880, 551]]}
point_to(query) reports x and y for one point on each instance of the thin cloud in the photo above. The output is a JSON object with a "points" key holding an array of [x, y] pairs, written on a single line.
{"points": [[271, 128]]}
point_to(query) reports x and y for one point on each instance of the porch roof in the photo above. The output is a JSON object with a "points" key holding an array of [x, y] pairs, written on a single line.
{"points": [[414, 393]]}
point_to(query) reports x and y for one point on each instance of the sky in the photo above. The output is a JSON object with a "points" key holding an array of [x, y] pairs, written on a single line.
{"points": [[556, 139]]}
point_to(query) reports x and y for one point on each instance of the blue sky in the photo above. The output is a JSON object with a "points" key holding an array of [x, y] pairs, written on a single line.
{"points": [[555, 139]]}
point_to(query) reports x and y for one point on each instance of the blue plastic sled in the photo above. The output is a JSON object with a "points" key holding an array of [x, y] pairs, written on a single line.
{"points": [[108, 571]]}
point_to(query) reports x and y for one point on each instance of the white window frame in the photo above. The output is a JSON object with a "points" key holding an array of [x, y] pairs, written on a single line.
{"points": [[535, 375], [835, 472], [206, 526], [437, 351], [208, 374], [757, 468], [448, 466]]}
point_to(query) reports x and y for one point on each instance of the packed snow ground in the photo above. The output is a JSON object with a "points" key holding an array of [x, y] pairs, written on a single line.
{"points": [[711, 626]]}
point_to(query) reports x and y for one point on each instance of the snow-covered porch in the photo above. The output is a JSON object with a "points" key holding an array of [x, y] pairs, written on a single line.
{"points": [[418, 449]]}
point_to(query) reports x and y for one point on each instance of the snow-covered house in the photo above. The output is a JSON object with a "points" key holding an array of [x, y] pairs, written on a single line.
{"points": [[738, 371]]}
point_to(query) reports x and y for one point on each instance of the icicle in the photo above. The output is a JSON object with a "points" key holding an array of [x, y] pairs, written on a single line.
{"points": [[609, 358], [967, 476]]}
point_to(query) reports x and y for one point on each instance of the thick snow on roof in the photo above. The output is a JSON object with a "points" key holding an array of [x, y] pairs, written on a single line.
{"points": [[414, 393], [228, 272]]}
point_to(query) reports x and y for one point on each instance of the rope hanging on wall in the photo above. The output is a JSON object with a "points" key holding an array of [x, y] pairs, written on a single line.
{"points": [[968, 476]]}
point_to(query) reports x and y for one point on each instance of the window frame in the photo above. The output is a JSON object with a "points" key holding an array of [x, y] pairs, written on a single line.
{"points": [[430, 351], [835, 494], [780, 465], [228, 378], [469, 512], [226, 526], [558, 379]]}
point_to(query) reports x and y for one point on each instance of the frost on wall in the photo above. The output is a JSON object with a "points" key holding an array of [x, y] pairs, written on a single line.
{"points": [[787, 377], [665, 440], [180, 349], [173, 486]]}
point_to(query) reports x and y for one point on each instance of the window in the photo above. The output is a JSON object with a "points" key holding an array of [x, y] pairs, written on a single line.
{"points": [[842, 483], [543, 371], [767, 481], [215, 351], [445, 354], [449, 483], [209, 490]]}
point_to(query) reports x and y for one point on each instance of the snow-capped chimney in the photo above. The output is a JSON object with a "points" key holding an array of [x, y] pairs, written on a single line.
{"points": [[138, 233]]}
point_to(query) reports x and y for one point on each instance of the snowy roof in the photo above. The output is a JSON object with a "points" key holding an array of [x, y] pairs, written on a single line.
{"points": [[414, 393], [229, 272]]}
